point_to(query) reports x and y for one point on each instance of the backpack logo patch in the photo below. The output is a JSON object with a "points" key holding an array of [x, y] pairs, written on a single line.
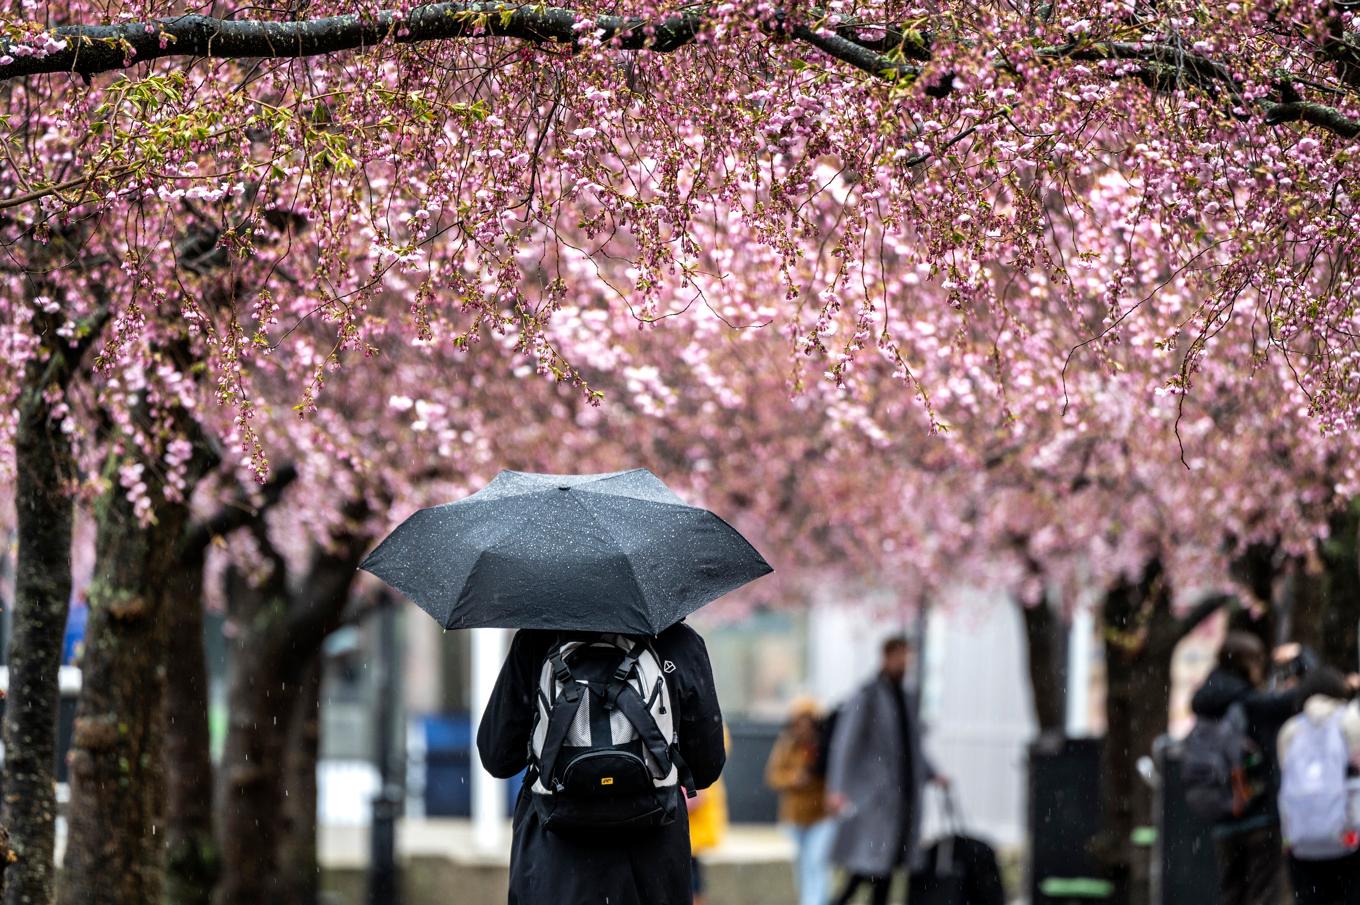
{"points": [[606, 780], [668, 667]]}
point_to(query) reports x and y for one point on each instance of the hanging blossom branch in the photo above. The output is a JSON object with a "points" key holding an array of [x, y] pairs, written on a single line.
{"points": [[87, 50]]}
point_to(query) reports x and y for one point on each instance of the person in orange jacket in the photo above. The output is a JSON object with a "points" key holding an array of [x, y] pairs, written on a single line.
{"points": [[792, 771]]}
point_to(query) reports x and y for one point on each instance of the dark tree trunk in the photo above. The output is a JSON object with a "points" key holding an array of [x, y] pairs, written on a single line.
{"points": [[6, 855], [297, 844], [1047, 669], [260, 705], [41, 602], [192, 861], [1141, 634], [1137, 687], [43, 511], [114, 854], [193, 854], [281, 630], [1326, 605]]}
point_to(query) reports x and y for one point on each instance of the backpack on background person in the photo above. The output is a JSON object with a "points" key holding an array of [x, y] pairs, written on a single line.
{"points": [[1216, 761], [1315, 811], [603, 752], [826, 731]]}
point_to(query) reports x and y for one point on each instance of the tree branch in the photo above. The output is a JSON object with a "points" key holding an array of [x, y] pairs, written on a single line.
{"points": [[238, 513], [857, 55], [91, 49], [1200, 612], [1329, 118]]}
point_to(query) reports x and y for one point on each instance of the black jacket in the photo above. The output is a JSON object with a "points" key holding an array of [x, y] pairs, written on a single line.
{"points": [[1267, 712], [639, 868]]}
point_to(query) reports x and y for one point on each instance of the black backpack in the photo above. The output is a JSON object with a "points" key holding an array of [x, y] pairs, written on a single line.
{"points": [[603, 752], [1216, 761], [826, 731]]}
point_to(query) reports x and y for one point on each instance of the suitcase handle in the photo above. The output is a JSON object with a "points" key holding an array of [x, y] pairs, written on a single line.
{"points": [[950, 810], [953, 826]]}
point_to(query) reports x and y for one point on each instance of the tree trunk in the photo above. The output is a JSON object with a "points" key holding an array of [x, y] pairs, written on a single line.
{"points": [[192, 861], [114, 851], [1326, 605], [297, 844], [41, 602], [280, 638], [193, 852], [1141, 635], [6, 855], [1047, 670], [260, 704]]}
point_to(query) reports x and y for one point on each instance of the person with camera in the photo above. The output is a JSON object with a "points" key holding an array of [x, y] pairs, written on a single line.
{"points": [[1248, 843]]}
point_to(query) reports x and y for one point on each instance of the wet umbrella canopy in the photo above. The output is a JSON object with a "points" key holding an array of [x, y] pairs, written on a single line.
{"points": [[607, 552]]}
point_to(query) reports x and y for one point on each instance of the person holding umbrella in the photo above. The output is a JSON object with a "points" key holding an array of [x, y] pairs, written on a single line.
{"points": [[606, 697]]}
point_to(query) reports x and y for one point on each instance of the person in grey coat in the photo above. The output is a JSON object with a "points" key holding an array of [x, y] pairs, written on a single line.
{"points": [[876, 773]]}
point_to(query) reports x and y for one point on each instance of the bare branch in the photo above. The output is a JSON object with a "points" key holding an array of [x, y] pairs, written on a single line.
{"points": [[1200, 612], [238, 513]]}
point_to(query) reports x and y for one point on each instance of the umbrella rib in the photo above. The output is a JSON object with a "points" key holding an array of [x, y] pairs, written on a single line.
{"points": [[583, 488], [628, 563]]}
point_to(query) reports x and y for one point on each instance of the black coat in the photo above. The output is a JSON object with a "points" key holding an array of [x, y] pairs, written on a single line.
{"points": [[649, 867], [1267, 712]]}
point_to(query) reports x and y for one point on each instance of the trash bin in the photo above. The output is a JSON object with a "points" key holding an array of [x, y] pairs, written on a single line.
{"points": [[1064, 816], [749, 800], [448, 765], [449, 752], [1186, 870]]}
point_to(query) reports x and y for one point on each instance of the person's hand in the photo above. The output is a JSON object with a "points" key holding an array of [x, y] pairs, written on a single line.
{"points": [[1287, 652], [941, 780], [835, 803], [1353, 681]]}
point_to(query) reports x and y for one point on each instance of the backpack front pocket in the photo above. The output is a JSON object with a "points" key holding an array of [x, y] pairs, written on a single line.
{"points": [[608, 773]]}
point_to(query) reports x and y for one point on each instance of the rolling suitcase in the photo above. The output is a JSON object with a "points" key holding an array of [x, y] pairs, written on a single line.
{"points": [[957, 869]]}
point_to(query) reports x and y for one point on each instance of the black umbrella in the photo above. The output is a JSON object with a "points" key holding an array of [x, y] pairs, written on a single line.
{"points": [[614, 552]]}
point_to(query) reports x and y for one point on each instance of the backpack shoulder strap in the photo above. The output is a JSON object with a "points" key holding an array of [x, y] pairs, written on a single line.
{"points": [[631, 705], [561, 717]]}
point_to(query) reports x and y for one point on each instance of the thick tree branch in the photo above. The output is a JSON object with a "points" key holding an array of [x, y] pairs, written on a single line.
{"points": [[360, 611], [1200, 612], [857, 55], [1324, 117], [238, 513], [91, 49]]}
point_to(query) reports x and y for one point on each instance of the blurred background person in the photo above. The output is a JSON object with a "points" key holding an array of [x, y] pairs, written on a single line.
{"points": [[876, 773], [1248, 845], [1319, 751], [795, 772]]}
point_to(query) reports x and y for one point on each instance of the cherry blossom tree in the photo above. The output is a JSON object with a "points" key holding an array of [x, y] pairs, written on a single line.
{"points": [[1034, 294]]}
